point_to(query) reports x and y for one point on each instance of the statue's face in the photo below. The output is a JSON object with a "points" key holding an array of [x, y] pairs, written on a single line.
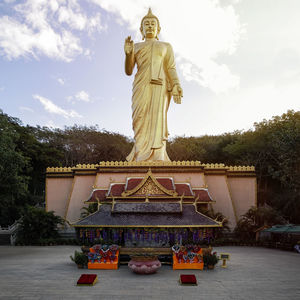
{"points": [[150, 27]]}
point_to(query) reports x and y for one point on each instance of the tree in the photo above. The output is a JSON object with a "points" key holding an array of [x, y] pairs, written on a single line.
{"points": [[13, 180], [255, 218], [274, 149], [218, 216], [86, 211], [26, 152], [40, 155], [207, 148], [87, 145], [37, 224]]}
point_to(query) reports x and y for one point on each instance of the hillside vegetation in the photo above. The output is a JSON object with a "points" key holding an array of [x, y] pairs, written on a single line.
{"points": [[273, 147]]}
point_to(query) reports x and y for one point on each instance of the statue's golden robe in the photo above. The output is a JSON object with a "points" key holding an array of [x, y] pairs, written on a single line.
{"points": [[154, 80]]}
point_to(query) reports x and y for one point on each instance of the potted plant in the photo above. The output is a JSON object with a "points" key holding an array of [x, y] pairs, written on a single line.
{"points": [[210, 260], [80, 259]]}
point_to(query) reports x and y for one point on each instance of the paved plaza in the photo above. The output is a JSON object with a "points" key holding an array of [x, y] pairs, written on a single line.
{"points": [[48, 273]]}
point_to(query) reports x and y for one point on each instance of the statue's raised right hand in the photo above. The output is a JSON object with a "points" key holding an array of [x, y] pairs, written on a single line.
{"points": [[128, 47]]}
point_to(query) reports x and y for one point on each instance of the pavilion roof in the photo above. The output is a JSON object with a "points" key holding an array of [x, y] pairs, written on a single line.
{"points": [[107, 217], [288, 228]]}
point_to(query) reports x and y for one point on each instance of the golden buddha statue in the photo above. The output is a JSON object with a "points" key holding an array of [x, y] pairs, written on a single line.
{"points": [[155, 82]]}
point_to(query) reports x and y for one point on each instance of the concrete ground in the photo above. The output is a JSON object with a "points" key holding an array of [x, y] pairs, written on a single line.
{"points": [[48, 273]]}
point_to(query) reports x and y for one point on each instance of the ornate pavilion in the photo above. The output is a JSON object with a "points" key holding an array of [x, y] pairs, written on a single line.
{"points": [[148, 211]]}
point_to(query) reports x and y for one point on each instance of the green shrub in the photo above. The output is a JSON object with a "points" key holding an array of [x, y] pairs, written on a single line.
{"points": [[79, 258], [210, 259], [38, 227]]}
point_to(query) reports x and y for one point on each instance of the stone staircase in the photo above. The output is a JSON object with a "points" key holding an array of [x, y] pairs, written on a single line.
{"points": [[8, 234]]}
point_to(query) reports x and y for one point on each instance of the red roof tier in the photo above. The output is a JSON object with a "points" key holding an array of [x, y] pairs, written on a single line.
{"points": [[184, 189], [132, 183], [116, 189], [167, 183], [202, 195], [97, 194]]}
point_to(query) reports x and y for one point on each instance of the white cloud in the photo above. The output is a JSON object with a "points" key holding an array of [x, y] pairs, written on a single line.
{"points": [[80, 96], [54, 109], [61, 81], [83, 96], [2, 88], [72, 16], [44, 27], [199, 32], [24, 108]]}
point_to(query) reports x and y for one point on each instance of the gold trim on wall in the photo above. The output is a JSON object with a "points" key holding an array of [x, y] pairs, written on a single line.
{"points": [[59, 169], [241, 174], [231, 199], [59, 175], [166, 164], [204, 181], [149, 163], [256, 192], [95, 181], [46, 194], [69, 198]]}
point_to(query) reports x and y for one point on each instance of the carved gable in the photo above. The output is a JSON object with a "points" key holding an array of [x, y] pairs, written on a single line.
{"points": [[149, 186]]}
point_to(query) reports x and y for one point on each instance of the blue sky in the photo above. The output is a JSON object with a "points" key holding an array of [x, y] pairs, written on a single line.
{"points": [[62, 61]]}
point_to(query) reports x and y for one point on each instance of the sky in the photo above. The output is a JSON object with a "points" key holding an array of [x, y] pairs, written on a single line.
{"points": [[62, 61]]}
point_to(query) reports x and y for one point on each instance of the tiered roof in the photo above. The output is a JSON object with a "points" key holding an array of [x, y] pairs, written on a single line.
{"points": [[152, 188], [147, 202]]}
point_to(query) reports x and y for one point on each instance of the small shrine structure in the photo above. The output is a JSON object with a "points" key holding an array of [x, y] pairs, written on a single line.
{"points": [[148, 211], [149, 204]]}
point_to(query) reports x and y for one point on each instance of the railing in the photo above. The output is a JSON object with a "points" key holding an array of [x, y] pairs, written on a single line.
{"points": [[10, 228], [11, 231]]}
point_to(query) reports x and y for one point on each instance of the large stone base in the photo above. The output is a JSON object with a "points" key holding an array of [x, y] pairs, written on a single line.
{"points": [[232, 188]]}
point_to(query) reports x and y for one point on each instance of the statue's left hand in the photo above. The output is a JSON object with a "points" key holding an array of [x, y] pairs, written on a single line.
{"points": [[177, 93]]}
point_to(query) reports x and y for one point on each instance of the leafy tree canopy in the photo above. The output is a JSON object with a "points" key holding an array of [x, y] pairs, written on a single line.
{"points": [[13, 163], [255, 218]]}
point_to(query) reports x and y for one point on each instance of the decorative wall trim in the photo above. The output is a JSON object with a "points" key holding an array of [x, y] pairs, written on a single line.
{"points": [[84, 169]]}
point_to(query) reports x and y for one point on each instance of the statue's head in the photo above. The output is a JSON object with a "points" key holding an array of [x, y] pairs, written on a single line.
{"points": [[150, 27]]}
